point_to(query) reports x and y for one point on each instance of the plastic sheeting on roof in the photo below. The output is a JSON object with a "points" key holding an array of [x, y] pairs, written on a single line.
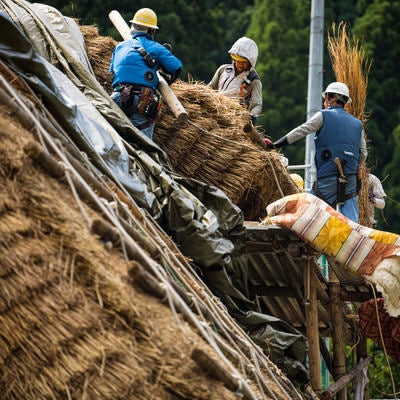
{"points": [[46, 50]]}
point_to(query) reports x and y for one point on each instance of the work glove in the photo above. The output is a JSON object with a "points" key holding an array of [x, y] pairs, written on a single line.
{"points": [[270, 145], [170, 78], [168, 46], [279, 143], [371, 197]]}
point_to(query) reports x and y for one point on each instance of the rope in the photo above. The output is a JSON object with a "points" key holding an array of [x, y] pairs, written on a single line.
{"points": [[381, 337]]}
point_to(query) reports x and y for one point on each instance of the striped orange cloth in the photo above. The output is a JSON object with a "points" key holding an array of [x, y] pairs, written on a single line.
{"points": [[371, 253]]}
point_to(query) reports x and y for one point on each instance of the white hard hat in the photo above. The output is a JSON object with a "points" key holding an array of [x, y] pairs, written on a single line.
{"points": [[338, 88]]}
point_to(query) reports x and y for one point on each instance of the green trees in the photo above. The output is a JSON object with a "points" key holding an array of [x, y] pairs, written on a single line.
{"points": [[281, 29], [201, 32], [379, 29]]}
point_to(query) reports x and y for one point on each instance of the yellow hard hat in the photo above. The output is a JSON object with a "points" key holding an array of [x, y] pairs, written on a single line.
{"points": [[298, 180], [145, 17], [239, 58]]}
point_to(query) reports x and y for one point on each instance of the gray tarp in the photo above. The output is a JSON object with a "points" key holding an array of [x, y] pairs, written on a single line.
{"points": [[47, 51]]}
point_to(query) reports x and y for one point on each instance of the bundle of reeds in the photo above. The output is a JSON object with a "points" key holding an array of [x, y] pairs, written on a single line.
{"points": [[212, 147], [351, 66], [99, 50]]}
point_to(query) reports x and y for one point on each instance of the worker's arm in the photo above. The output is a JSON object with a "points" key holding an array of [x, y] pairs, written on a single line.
{"points": [[255, 106], [214, 83], [376, 194], [363, 149], [379, 203], [312, 125]]}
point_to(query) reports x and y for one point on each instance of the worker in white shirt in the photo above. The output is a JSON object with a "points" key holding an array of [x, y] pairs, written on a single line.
{"points": [[376, 197]]}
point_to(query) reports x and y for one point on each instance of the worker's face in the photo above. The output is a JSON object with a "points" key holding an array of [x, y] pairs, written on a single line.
{"points": [[241, 66]]}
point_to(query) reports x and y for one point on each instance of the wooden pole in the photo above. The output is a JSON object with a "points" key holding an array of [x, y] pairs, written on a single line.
{"points": [[311, 311], [341, 383], [168, 94], [362, 353], [339, 360], [254, 136]]}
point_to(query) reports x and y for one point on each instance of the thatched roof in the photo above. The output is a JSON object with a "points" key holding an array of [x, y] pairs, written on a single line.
{"points": [[98, 310], [212, 147], [73, 321]]}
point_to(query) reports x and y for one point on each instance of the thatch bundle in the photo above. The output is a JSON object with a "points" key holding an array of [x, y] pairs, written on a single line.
{"points": [[72, 324], [351, 66], [99, 50], [212, 147]]}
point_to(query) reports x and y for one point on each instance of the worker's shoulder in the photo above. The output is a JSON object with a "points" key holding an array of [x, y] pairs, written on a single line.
{"points": [[373, 180], [226, 67], [253, 75]]}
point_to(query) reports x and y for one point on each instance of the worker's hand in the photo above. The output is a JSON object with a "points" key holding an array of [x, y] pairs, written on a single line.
{"points": [[281, 142], [168, 46], [270, 145], [371, 197]]}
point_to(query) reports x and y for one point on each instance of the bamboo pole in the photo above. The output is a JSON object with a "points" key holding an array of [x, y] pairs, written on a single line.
{"points": [[339, 360], [345, 379], [311, 311]]}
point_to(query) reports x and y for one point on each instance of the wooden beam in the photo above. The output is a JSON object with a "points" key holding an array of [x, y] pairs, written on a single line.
{"points": [[339, 359], [341, 383], [311, 312]]}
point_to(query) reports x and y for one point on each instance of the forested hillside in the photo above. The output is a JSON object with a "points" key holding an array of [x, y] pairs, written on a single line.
{"points": [[201, 32]]}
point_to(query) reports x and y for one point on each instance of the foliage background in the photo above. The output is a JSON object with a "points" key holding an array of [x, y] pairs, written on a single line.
{"points": [[202, 31]]}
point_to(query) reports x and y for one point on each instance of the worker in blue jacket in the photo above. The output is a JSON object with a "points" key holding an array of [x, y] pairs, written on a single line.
{"points": [[338, 136], [134, 65]]}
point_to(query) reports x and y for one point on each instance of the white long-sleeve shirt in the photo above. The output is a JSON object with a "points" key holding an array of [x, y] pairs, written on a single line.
{"points": [[227, 83], [377, 197], [314, 124]]}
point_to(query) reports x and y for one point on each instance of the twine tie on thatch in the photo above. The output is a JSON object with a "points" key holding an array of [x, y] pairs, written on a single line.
{"points": [[239, 390], [68, 172]]}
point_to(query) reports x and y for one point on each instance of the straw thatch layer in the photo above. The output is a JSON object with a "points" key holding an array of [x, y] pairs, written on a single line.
{"points": [[72, 325], [99, 49], [212, 147]]}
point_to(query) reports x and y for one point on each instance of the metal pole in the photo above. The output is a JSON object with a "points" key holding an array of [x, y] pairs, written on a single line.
{"points": [[314, 103], [315, 71]]}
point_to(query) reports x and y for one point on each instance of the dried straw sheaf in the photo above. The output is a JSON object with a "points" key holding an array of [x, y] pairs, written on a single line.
{"points": [[213, 148], [99, 50], [72, 324], [351, 66]]}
